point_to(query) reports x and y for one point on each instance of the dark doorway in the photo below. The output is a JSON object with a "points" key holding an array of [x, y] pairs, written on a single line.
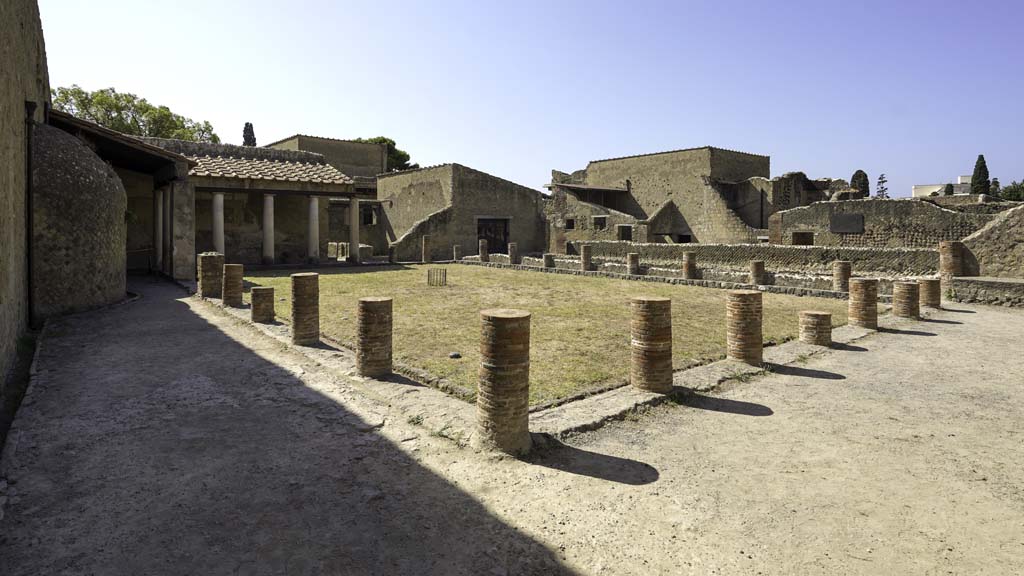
{"points": [[803, 238], [495, 231]]}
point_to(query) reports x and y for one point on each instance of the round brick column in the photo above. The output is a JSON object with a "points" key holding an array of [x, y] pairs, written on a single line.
{"points": [[757, 272], [549, 260], [485, 256], [262, 304], [513, 253], [650, 367], [863, 307], [503, 397], [841, 272], [690, 265], [586, 257], [373, 337], [457, 252], [816, 328], [951, 259], [211, 275], [744, 339], [305, 308], [931, 292], [906, 300], [425, 249], [231, 290], [633, 264]]}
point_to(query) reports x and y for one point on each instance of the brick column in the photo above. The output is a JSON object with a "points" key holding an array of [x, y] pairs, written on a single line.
{"points": [[305, 308], [503, 397], [373, 337], [586, 257], [513, 253], [650, 367], [757, 272], [690, 265], [951, 260], [906, 300], [457, 252], [262, 304], [816, 328], [231, 290], [744, 339], [841, 272], [549, 260], [211, 275], [863, 307], [425, 249], [485, 256], [633, 264], [931, 292]]}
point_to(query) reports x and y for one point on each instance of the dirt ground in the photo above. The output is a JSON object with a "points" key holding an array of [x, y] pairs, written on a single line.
{"points": [[159, 438]]}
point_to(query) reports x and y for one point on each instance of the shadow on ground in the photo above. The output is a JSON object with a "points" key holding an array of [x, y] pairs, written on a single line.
{"points": [[725, 405], [550, 453], [801, 372]]}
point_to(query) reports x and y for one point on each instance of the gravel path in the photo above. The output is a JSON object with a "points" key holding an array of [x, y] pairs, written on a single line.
{"points": [[162, 437]]}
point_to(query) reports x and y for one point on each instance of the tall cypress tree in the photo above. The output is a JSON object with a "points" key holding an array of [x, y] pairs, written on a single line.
{"points": [[248, 135], [881, 189], [979, 181], [859, 181], [947, 190]]}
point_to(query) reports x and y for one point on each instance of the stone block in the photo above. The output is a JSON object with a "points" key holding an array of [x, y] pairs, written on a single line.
{"points": [[211, 275], [231, 291]]}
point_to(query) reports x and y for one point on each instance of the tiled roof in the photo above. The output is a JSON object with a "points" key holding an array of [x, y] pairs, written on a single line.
{"points": [[680, 150]]}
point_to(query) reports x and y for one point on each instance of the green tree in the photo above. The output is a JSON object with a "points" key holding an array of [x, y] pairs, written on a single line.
{"points": [[397, 159], [248, 135], [881, 190], [995, 190], [947, 190], [129, 114], [859, 181], [1013, 191], [979, 180]]}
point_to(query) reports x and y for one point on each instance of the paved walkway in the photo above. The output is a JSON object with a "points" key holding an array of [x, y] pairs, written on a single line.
{"points": [[163, 437]]}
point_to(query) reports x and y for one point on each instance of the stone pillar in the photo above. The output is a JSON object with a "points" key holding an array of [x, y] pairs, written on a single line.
{"points": [[211, 275], [268, 228], [485, 256], [757, 272], [906, 300], [951, 260], [931, 292], [262, 304], [549, 260], [313, 231], [841, 272], [305, 308], [373, 337], [690, 265], [218, 222], [816, 328], [457, 252], [231, 291], [513, 253], [158, 228], [425, 249], [744, 338], [633, 264], [353, 230], [503, 397], [586, 258], [863, 307], [650, 367]]}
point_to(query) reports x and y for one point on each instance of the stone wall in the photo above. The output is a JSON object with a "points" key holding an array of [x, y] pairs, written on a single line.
{"points": [[562, 206], [79, 229], [351, 158], [183, 229], [374, 235], [986, 290], [903, 223], [413, 195], [139, 218], [998, 248], [23, 78]]}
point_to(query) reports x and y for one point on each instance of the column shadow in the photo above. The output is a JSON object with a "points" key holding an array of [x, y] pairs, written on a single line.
{"points": [[801, 372], [725, 405], [551, 453]]}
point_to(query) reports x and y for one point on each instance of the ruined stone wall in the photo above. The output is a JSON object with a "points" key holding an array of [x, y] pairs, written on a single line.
{"points": [[998, 248], [411, 196], [904, 223], [139, 218], [985, 290], [79, 230], [374, 235], [351, 158], [562, 206], [23, 78]]}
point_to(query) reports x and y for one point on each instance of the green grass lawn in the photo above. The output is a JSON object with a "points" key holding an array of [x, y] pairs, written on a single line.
{"points": [[579, 329]]}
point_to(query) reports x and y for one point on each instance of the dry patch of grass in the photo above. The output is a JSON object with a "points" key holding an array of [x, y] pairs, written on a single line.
{"points": [[580, 325]]}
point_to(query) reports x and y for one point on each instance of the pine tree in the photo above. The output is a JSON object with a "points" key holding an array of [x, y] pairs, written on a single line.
{"points": [[979, 181], [881, 190], [248, 135], [947, 190], [859, 181]]}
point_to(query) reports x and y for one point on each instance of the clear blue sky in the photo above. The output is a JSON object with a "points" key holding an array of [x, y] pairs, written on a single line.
{"points": [[913, 89]]}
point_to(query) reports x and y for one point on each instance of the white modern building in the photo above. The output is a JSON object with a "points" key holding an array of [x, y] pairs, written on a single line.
{"points": [[962, 186]]}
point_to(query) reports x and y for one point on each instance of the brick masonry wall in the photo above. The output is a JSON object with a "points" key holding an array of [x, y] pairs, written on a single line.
{"points": [[992, 291]]}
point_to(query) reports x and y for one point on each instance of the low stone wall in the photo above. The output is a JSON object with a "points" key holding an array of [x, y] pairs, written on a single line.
{"points": [[987, 290]]}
